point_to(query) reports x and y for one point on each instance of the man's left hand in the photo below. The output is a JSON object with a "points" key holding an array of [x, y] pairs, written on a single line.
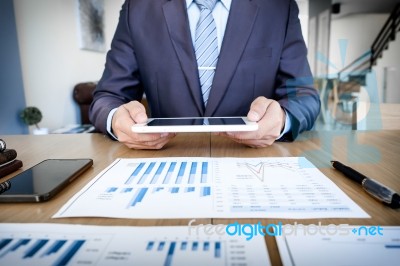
{"points": [[271, 120]]}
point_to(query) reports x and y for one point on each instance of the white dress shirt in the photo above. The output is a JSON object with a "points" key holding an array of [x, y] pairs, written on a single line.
{"points": [[220, 14]]}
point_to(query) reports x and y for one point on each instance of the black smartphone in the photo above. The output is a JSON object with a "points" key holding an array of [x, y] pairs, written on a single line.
{"points": [[42, 181]]}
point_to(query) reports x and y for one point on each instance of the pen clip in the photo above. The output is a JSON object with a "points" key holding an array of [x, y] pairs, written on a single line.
{"points": [[377, 190], [4, 186]]}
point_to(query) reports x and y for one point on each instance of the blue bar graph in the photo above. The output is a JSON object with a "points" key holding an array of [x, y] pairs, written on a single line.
{"points": [[16, 246], [161, 246], [4, 243], [146, 173], [204, 172], [205, 191], [183, 245], [156, 189], [30, 250], [35, 248], [206, 246], [164, 177], [127, 190], [195, 246], [134, 174], [192, 174], [170, 254], [162, 172], [158, 173], [55, 247], [174, 190], [392, 246], [69, 254], [185, 248], [190, 189], [111, 189], [169, 173], [150, 246], [180, 173], [139, 195], [217, 252]]}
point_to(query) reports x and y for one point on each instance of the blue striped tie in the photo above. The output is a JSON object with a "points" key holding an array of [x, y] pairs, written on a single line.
{"points": [[206, 46]]}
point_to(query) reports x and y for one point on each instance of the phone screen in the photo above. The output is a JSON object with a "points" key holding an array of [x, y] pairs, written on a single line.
{"points": [[44, 179], [197, 121]]}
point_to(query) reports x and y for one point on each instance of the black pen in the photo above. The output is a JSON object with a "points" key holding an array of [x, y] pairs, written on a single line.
{"points": [[374, 188], [4, 186]]}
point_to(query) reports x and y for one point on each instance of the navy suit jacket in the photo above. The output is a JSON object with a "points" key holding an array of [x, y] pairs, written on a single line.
{"points": [[262, 54]]}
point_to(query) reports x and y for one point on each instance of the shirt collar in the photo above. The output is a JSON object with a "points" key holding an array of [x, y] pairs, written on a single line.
{"points": [[226, 3]]}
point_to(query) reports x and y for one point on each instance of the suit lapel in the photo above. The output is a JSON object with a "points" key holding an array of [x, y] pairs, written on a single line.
{"points": [[178, 26], [240, 22]]}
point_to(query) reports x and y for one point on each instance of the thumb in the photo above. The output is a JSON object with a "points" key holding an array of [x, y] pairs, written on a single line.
{"points": [[253, 116]]}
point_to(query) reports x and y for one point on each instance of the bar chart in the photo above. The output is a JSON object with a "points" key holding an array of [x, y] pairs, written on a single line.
{"points": [[53, 249], [166, 173], [136, 187], [194, 187], [183, 252], [43, 244]]}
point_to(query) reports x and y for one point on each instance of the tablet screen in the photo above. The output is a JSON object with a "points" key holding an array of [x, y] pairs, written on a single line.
{"points": [[197, 121]]}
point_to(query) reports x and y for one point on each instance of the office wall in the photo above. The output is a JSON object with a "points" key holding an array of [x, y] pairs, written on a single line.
{"points": [[303, 17], [387, 72], [12, 99], [318, 35], [358, 31], [52, 62]]}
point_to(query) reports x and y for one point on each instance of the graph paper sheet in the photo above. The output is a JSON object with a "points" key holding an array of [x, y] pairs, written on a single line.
{"points": [[289, 187], [61, 244], [341, 245]]}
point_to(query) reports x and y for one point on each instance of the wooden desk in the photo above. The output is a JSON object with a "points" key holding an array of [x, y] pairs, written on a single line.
{"points": [[378, 155], [34, 149], [375, 153]]}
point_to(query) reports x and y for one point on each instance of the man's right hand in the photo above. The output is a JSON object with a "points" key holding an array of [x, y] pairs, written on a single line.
{"points": [[134, 113]]}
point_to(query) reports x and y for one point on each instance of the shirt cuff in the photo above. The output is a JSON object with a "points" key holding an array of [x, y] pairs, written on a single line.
{"points": [[109, 119], [288, 125]]}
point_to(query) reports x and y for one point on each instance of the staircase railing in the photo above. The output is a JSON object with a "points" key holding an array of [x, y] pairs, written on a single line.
{"points": [[367, 60], [387, 34], [360, 65]]}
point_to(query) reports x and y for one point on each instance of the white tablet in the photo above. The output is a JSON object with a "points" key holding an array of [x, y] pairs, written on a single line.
{"points": [[195, 124]]}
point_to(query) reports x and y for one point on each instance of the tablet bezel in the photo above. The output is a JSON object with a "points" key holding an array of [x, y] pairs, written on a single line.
{"points": [[144, 128]]}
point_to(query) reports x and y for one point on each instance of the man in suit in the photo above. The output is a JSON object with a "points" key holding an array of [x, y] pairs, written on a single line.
{"points": [[262, 70]]}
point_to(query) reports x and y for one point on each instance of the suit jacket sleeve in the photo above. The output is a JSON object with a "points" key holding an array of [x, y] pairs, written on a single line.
{"points": [[295, 90], [120, 82]]}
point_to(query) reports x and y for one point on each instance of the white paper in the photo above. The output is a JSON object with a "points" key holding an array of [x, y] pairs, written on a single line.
{"points": [[61, 244], [358, 248], [289, 187]]}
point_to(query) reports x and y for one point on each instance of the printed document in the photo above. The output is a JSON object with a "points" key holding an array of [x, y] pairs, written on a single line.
{"points": [[175, 187]]}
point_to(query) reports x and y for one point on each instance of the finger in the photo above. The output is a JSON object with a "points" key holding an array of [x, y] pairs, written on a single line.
{"points": [[121, 122], [256, 143], [126, 116], [147, 139], [270, 118], [250, 139], [156, 144], [137, 111], [258, 108]]}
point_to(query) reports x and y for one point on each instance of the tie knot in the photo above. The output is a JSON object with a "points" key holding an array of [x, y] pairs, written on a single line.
{"points": [[209, 4]]}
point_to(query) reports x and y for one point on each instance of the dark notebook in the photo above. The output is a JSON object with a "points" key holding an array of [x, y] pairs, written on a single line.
{"points": [[9, 168], [7, 155]]}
